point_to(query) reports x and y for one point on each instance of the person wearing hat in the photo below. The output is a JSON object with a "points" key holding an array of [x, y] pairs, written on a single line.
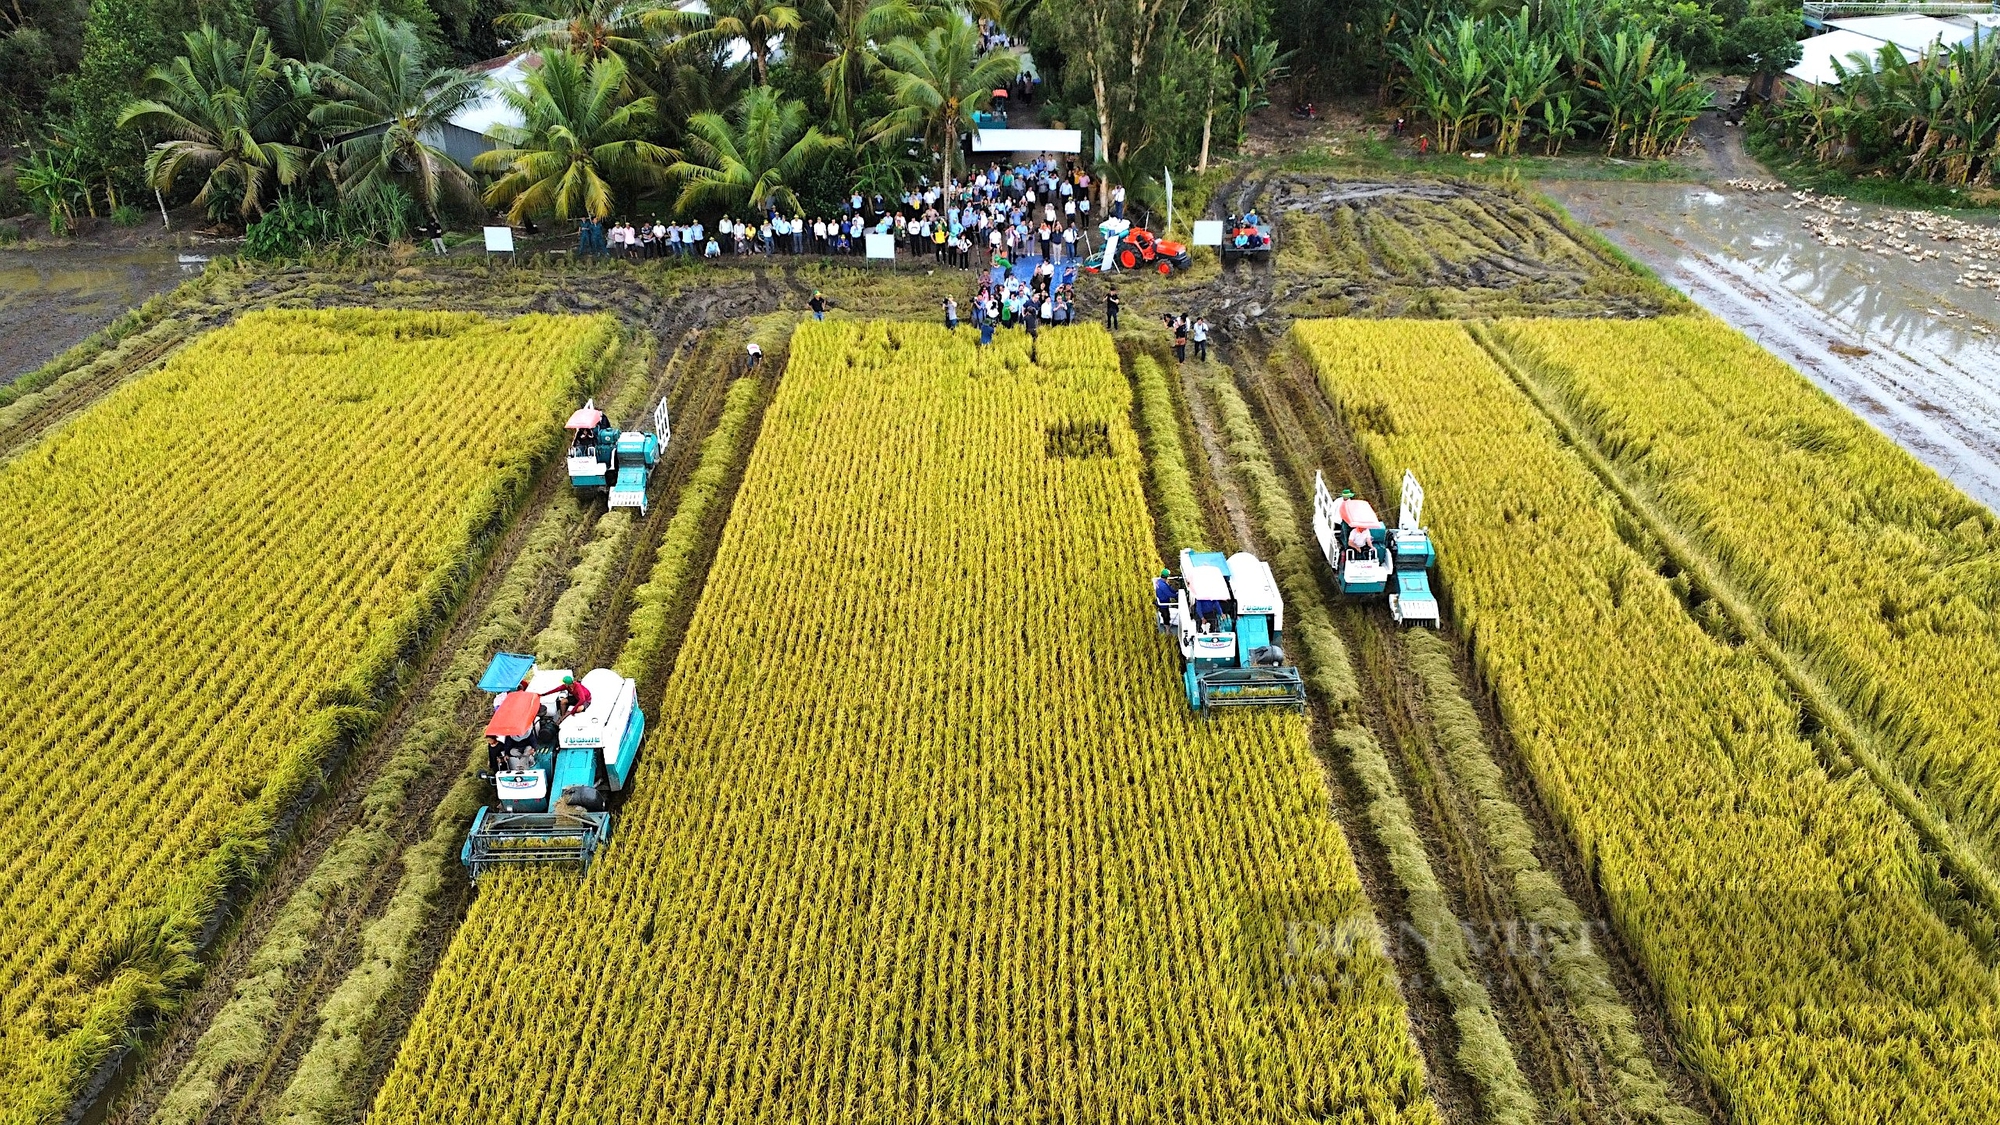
{"points": [[576, 697], [1165, 598]]}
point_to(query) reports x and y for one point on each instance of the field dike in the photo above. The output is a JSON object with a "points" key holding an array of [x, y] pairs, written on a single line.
{"points": [[1848, 739], [331, 943], [1547, 1018]]}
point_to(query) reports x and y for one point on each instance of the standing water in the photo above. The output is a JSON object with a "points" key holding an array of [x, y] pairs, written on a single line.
{"points": [[1894, 313], [52, 298]]}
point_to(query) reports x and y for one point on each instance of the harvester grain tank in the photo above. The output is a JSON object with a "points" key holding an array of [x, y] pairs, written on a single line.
{"points": [[1228, 620], [621, 463], [552, 773]]}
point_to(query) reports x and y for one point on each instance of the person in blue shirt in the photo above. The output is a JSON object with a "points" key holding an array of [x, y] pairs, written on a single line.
{"points": [[1164, 597]]}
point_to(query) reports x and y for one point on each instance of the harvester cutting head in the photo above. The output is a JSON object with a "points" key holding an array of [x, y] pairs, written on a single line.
{"points": [[551, 763], [1228, 620]]}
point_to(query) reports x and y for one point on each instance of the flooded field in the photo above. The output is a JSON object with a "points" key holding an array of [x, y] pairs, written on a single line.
{"points": [[1894, 316], [50, 299]]}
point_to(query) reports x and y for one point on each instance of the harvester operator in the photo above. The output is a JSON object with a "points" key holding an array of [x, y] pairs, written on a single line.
{"points": [[576, 697], [1361, 542], [1164, 597]]}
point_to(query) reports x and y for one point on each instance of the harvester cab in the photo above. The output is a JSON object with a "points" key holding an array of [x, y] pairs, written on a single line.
{"points": [[620, 463], [1228, 620], [1352, 538], [593, 447], [1411, 602], [551, 770]]}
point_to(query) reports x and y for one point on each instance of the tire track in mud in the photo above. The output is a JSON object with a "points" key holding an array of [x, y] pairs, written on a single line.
{"points": [[131, 1092]]}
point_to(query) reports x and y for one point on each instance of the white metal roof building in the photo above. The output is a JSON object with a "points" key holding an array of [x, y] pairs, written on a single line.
{"points": [[1864, 36]]}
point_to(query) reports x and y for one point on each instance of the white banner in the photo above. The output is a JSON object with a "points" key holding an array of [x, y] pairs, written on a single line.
{"points": [[499, 240], [1208, 232], [1412, 515], [881, 245]]}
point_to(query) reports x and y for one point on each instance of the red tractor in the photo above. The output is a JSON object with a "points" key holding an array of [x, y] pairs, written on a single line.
{"points": [[1140, 247]]}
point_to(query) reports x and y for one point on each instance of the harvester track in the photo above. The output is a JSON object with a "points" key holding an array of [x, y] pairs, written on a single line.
{"points": [[1551, 1041], [248, 1093]]}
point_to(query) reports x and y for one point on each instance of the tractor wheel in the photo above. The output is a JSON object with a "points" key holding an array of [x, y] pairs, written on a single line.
{"points": [[1128, 259], [1165, 268]]}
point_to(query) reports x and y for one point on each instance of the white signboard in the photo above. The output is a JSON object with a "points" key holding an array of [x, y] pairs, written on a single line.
{"points": [[1208, 232], [499, 240], [881, 245], [1412, 515]]}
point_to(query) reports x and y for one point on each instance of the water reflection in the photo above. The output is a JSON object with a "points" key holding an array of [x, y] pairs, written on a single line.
{"points": [[50, 299]]}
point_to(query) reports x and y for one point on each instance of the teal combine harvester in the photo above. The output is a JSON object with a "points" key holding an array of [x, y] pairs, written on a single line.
{"points": [[552, 772], [620, 463], [1369, 560], [1228, 620]]}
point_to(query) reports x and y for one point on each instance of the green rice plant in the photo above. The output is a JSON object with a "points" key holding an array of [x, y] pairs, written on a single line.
{"points": [[1788, 917], [898, 850]]}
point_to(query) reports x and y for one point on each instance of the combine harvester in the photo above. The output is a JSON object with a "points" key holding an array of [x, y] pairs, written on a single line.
{"points": [[1228, 619], [621, 463], [551, 773], [1369, 560]]}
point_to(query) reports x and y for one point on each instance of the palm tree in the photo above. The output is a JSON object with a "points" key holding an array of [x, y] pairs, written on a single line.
{"points": [[702, 27], [853, 33], [227, 109], [752, 158], [938, 83], [591, 28], [387, 101], [310, 30], [581, 127]]}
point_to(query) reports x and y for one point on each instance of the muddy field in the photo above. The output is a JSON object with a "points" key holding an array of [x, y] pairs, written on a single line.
{"points": [[1411, 248], [1895, 315], [50, 299]]}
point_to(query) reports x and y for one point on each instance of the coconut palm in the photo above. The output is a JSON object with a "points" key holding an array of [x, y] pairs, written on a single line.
{"points": [[751, 158], [386, 102], [582, 131], [853, 33], [937, 83], [590, 28], [759, 23], [310, 30], [229, 111]]}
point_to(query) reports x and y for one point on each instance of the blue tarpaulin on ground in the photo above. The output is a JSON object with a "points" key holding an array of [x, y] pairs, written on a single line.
{"points": [[1025, 267]]}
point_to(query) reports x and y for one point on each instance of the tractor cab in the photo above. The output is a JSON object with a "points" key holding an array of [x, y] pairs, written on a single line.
{"points": [[1228, 618], [1352, 538], [550, 772]]}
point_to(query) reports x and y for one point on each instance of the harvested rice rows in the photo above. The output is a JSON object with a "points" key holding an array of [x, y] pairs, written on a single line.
{"points": [[913, 837], [214, 579], [1788, 916]]}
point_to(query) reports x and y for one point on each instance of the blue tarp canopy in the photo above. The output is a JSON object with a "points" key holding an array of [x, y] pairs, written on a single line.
{"points": [[506, 671]]}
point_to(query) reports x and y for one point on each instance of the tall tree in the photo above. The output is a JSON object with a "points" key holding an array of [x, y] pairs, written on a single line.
{"points": [[228, 111], [590, 28], [389, 104], [753, 158], [762, 24], [938, 82], [309, 30], [852, 32], [1116, 53], [582, 131]]}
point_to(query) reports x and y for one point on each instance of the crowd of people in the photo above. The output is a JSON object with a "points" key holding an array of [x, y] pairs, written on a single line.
{"points": [[1015, 303], [997, 217]]}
